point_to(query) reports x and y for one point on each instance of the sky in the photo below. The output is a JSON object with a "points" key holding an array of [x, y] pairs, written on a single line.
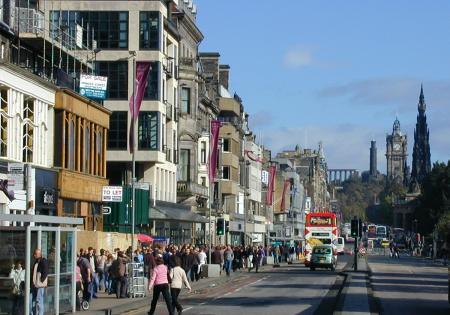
{"points": [[335, 71]]}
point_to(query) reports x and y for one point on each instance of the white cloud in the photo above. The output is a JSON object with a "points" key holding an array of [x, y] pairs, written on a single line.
{"points": [[298, 56]]}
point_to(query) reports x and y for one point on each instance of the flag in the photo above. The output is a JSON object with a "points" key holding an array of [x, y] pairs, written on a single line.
{"points": [[213, 142], [269, 195], [287, 183], [140, 83]]}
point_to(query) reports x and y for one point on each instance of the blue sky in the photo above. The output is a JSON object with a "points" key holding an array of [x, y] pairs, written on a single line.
{"points": [[335, 71]]}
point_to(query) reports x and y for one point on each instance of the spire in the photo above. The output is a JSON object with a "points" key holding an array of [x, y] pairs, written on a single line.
{"points": [[396, 127], [422, 105]]}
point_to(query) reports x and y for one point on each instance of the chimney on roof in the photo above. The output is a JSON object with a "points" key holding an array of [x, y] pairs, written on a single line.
{"points": [[224, 75]]}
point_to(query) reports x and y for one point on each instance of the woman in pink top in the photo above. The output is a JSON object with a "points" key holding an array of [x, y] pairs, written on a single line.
{"points": [[160, 284]]}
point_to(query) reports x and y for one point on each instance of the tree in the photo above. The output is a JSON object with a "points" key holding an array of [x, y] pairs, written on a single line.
{"points": [[434, 203]]}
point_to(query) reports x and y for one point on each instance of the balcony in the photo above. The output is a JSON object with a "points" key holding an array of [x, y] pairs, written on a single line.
{"points": [[168, 66], [191, 189]]}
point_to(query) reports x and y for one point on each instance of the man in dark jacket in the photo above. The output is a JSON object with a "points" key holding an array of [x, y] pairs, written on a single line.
{"points": [[39, 275], [187, 261], [118, 270], [149, 262], [86, 276]]}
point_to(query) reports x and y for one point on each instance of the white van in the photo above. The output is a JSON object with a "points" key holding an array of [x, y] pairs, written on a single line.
{"points": [[340, 246]]}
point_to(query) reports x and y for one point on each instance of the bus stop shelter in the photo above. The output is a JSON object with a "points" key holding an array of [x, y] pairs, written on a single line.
{"points": [[20, 235]]}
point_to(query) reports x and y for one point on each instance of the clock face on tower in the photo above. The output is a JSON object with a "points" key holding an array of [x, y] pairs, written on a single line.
{"points": [[397, 146]]}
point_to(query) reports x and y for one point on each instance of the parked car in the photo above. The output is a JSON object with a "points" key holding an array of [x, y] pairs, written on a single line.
{"points": [[323, 256]]}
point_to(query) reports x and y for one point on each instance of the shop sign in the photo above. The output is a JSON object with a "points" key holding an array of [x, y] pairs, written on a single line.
{"points": [[112, 194], [265, 177], [93, 86], [15, 176]]}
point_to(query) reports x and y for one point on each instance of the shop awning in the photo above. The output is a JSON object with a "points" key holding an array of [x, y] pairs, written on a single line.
{"points": [[144, 238], [168, 211]]}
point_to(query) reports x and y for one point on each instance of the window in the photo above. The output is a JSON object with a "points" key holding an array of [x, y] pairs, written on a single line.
{"points": [[2, 51], [152, 92], [185, 100], [184, 165], [87, 148], [226, 147], [108, 28], [4, 123], [149, 30], [70, 142], [203, 152], [226, 172], [203, 181], [99, 151], [117, 137], [148, 132], [28, 130], [117, 73]]}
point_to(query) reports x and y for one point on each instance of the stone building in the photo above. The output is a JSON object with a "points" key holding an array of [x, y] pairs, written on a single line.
{"points": [[396, 155], [421, 159]]}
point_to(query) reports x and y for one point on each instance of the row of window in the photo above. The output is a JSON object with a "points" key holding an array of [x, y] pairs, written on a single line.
{"points": [[117, 73], [106, 29], [148, 130]]}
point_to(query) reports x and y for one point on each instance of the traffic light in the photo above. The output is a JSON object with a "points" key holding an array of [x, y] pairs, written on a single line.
{"points": [[355, 228], [220, 230], [227, 226], [360, 229]]}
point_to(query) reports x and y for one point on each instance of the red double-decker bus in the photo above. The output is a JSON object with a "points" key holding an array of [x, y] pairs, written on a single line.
{"points": [[320, 229]]}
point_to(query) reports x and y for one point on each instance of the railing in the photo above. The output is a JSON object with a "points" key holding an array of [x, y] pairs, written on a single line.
{"points": [[190, 188]]}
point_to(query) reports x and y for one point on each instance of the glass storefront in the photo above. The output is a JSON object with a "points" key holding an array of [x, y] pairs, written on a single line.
{"points": [[17, 245]]}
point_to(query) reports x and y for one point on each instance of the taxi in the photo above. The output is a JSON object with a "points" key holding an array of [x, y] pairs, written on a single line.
{"points": [[323, 256]]}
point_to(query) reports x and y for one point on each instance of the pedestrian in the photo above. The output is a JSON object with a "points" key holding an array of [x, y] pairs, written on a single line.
{"points": [[93, 261], [159, 282], [178, 277], [118, 270], [107, 273], [228, 258], [187, 261], [86, 276], [39, 281], [149, 262], [217, 258], [202, 261], [195, 275], [101, 260], [18, 276]]}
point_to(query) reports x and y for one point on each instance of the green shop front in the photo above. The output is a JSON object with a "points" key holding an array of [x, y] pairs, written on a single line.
{"points": [[163, 220]]}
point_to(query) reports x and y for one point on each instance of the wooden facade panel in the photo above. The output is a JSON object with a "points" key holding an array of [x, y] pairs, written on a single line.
{"points": [[82, 107], [80, 186]]}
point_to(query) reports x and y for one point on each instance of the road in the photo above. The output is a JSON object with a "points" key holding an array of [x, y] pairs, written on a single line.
{"points": [[290, 289], [409, 285]]}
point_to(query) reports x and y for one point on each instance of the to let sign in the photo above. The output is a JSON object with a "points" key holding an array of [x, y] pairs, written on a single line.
{"points": [[112, 194]]}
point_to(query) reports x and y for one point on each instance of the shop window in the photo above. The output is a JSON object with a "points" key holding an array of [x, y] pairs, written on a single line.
{"points": [[28, 130], [3, 122]]}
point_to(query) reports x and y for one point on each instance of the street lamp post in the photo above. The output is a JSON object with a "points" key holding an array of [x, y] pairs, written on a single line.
{"points": [[133, 159]]}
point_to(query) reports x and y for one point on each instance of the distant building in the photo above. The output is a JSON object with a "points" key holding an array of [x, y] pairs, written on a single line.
{"points": [[421, 164], [396, 155]]}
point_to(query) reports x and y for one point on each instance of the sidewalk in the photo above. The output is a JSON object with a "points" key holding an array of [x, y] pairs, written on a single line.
{"points": [[409, 285], [109, 304], [355, 296]]}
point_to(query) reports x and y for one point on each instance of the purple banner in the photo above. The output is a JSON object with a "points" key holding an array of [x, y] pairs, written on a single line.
{"points": [[213, 142], [141, 80]]}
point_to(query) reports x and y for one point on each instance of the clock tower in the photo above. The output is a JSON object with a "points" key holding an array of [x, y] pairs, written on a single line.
{"points": [[396, 155]]}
